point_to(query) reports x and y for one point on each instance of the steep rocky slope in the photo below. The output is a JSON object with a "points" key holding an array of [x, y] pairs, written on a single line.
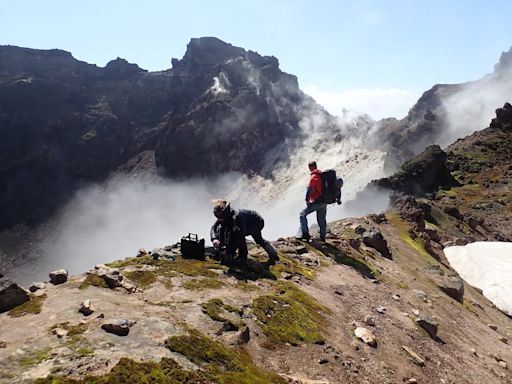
{"points": [[376, 303]]}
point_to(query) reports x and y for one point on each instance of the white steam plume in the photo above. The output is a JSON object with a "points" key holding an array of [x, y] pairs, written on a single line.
{"points": [[473, 107]]}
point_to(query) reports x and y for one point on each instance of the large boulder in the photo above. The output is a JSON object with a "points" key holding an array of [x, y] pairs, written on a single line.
{"points": [[374, 239], [11, 295], [453, 286]]}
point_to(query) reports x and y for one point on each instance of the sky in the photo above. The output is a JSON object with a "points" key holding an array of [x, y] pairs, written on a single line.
{"points": [[370, 56]]}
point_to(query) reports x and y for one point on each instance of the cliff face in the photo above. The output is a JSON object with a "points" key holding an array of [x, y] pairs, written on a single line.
{"points": [[446, 112], [64, 122]]}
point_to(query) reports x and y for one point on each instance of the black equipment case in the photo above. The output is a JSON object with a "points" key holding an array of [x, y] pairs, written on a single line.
{"points": [[192, 247]]}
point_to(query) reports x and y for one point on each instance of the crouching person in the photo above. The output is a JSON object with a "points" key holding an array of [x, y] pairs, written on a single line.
{"points": [[229, 231]]}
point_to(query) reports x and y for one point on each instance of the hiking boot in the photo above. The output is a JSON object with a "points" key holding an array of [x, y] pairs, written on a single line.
{"points": [[304, 237]]}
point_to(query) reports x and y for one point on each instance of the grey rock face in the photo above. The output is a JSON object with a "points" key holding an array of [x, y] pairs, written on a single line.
{"points": [[11, 295]]}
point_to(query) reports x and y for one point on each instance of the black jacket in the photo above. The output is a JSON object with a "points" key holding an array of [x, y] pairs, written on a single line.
{"points": [[239, 224]]}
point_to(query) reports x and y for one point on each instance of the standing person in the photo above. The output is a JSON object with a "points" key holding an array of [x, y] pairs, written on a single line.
{"points": [[314, 203], [229, 231]]}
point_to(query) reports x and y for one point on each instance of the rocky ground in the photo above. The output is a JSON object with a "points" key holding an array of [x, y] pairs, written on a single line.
{"points": [[295, 322]]}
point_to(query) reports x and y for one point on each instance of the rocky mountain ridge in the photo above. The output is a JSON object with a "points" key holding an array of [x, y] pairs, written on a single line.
{"points": [[432, 118], [377, 303], [66, 123]]}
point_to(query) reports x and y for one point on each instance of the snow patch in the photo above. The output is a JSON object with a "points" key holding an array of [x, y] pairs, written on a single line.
{"points": [[487, 266]]}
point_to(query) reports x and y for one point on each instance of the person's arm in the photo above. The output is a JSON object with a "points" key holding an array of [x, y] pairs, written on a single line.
{"points": [[213, 236]]}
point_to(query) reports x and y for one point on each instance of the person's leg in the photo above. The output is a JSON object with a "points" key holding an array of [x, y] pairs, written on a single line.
{"points": [[242, 252], [304, 221], [321, 214]]}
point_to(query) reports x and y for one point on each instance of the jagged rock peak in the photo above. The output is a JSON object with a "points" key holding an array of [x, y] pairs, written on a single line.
{"points": [[211, 51], [505, 61], [121, 68]]}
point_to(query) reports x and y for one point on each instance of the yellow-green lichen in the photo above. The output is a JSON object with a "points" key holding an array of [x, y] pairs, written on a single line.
{"points": [[142, 278], [215, 308], [93, 279], [289, 265], [351, 259], [202, 283], [127, 371], [73, 329], [33, 306], [188, 267], [221, 364], [290, 315], [35, 357]]}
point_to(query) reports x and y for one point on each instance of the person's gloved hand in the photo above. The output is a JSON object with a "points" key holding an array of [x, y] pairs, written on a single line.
{"points": [[338, 202], [216, 243]]}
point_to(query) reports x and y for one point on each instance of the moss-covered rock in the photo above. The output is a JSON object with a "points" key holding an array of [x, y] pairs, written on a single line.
{"points": [[142, 278], [33, 306], [290, 316], [221, 364]]}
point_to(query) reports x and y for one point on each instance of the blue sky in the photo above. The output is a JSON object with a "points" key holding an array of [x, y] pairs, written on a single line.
{"points": [[343, 52]]}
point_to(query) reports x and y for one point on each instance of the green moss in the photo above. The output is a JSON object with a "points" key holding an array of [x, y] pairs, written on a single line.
{"points": [[470, 307], [73, 330], [202, 283], [289, 265], [127, 371], [142, 278], [352, 259], [33, 306], [417, 245], [215, 308], [93, 279], [221, 364], [79, 345], [189, 267], [290, 316], [34, 357]]}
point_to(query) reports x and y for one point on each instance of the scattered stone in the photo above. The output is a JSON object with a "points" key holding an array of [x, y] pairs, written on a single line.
{"points": [[358, 228], [396, 297], [453, 286], [3, 344], [503, 364], [243, 336], [11, 294], [421, 295], [415, 312], [323, 361], [86, 307], [120, 327], [374, 239], [494, 327], [369, 320], [59, 332], [103, 267], [428, 324], [414, 356], [412, 380], [59, 277], [381, 310], [228, 326], [113, 279], [354, 243], [503, 339], [37, 286], [142, 252], [160, 253], [367, 336], [300, 250], [473, 351]]}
